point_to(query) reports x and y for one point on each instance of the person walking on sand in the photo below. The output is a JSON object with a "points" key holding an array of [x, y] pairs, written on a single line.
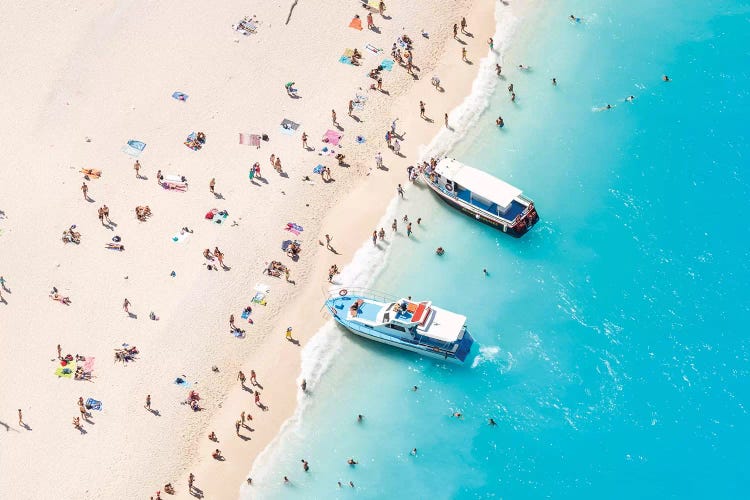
{"points": [[388, 138], [329, 239], [491, 43], [463, 54], [380, 84], [105, 211], [370, 23], [59, 352], [273, 160], [148, 402], [455, 31], [304, 140], [463, 26], [211, 186], [20, 418], [379, 160], [257, 398], [125, 305], [253, 379], [421, 109], [289, 333], [381, 7], [351, 107], [191, 480], [85, 190], [241, 378], [137, 168], [277, 165], [396, 147], [231, 322], [101, 215], [400, 191], [333, 117]]}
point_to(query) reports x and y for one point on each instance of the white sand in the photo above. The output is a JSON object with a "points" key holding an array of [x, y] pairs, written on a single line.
{"points": [[107, 72]]}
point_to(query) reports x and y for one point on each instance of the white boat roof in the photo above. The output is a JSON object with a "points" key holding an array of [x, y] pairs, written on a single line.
{"points": [[478, 182], [443, 325]]}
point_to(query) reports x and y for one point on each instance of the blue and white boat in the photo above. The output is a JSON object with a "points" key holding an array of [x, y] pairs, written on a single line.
{"points": [[415, 326], [482, 196]]}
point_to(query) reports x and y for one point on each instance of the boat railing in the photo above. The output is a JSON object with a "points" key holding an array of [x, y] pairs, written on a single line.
{"points": [[367, 293]]}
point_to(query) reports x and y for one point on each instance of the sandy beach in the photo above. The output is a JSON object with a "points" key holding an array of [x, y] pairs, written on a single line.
{"points": [[84, 82]]}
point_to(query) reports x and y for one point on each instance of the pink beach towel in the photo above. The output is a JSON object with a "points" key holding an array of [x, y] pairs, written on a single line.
{"points": [[250, 140], [332, 137], [88, 365]]}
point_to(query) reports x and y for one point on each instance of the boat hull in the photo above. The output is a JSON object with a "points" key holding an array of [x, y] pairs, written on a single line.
{"points": [[476, 214]]}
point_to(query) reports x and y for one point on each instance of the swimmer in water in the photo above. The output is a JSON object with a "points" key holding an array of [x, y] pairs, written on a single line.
{"points": [[574, 18], [554, 81], [499, 122], [492, 422], [440, 251], [523, 68], [608, 106], [665, 78], [630, 98]]}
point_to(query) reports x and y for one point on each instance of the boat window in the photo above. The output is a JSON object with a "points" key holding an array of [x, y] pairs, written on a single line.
{"points": [[386, 317], [397, 327]]}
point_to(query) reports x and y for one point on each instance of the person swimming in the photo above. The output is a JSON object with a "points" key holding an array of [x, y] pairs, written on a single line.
{"points": [[500, 122], [574, 18], [440, 251]]}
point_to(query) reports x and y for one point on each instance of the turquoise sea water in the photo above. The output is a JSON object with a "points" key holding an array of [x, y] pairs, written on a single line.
{"points": [[614, 356]]}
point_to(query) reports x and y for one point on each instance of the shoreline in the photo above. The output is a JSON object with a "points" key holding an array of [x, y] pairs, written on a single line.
{"points": [[193, 306], [367, 199]]}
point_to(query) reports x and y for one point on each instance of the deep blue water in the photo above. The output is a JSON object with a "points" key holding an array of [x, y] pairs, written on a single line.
{"points": [[614, 353]]}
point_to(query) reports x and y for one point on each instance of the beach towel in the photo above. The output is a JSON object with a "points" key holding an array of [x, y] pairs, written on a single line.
{"points": [[192, 143], [93, 404], [182, 382], [246, 26], [373, 4], [317, 170], [288, 127], [180, 237], [259, 298], [387, 64], [371, 48], [356, 24], [91, 172], [88, 365], [66, 371], [175, 178], [180, 96], [332, 137], [345, 60], [134, 148], [245, 314], [285, 244], [238, 334], [250, 139], [262, 287]]}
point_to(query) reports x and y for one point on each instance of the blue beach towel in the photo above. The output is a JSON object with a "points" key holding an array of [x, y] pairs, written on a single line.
{"points": [[318, 169], [387, 64], [182, 382], [345, 60], [93, 404], [245, 314], [134, 148], [180, 96]]}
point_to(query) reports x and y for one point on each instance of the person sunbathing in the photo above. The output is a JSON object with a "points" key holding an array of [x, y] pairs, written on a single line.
{"points": [[115, 246], [200, 137], [169, 489], [63, 300], [340, 158], [217, 454], [213, 437], [207, 254]]}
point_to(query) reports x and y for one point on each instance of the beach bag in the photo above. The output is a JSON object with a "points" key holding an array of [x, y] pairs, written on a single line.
{"points": [[209, 215]]}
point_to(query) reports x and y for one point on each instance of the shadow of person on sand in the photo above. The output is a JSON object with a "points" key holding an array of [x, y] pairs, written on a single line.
{"points": [[196, 492]]}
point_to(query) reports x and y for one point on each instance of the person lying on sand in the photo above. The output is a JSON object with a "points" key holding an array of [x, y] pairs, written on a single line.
{"points": [[63, 300], [142, 212], [115, 246]]}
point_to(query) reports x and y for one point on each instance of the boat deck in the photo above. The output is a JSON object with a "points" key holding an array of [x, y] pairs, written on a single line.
{"points": [[368, 311], [515, 209]]}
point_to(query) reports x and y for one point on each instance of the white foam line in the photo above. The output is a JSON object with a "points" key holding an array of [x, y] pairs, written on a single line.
{"points": [[319, 353]]}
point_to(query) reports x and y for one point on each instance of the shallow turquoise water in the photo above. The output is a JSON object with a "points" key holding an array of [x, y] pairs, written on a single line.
{"points": [[613, 353]]}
